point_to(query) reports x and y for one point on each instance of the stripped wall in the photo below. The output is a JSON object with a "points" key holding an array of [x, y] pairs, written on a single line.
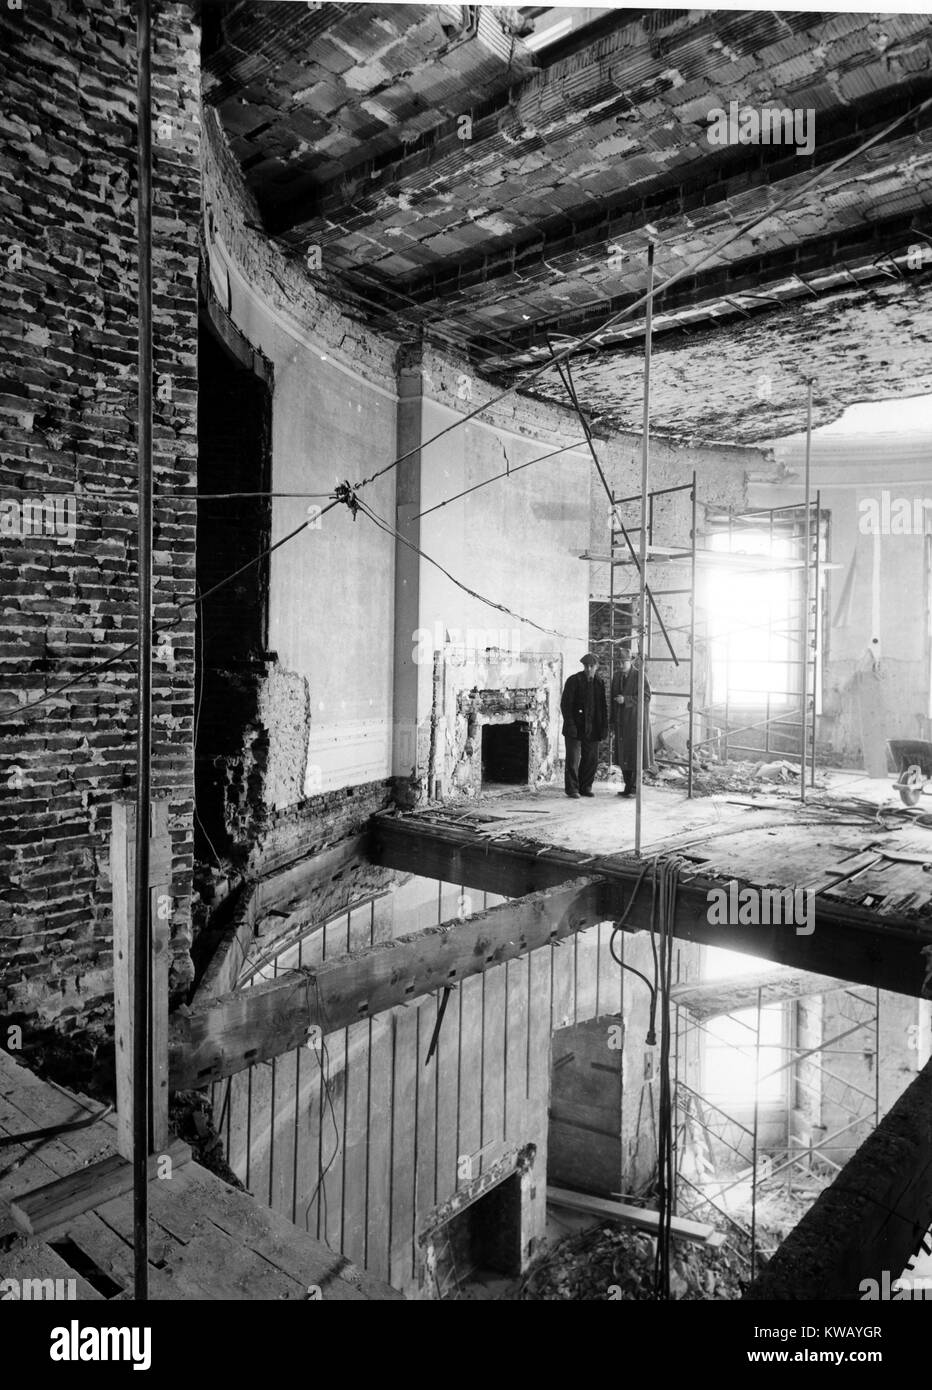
{"points": [[394, 1131]]}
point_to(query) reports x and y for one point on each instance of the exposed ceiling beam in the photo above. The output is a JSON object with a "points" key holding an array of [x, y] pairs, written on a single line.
{"points": [[266, 1020]]}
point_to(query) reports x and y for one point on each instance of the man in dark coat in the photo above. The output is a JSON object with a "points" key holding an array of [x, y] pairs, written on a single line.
{"points": [[625, 720], [585, 724]]}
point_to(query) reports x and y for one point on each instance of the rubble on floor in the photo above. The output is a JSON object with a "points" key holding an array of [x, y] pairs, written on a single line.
{"points": [[611, 1263], [744, 776], [615, 1263]]}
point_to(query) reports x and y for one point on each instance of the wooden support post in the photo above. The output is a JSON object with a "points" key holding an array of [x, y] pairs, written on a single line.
{"points": [[123, 873]]}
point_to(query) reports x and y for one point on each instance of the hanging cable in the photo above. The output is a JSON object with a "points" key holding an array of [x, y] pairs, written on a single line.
{"points": [[780, 205], [490, 603]]}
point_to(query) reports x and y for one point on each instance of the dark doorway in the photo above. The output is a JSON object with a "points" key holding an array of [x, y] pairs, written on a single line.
{"points": [[505, 753], [483, 1239], [234, 456]]}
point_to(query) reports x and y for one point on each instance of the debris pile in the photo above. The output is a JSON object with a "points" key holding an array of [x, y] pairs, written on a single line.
{"points": [[612, 1263]]}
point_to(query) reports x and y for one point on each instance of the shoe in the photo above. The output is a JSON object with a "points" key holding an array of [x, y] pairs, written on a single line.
{"points": [[574, 796], [587, 793]]}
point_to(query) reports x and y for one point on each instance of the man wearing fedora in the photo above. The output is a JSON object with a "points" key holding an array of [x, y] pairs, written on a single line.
{"points": [[585, 724]]}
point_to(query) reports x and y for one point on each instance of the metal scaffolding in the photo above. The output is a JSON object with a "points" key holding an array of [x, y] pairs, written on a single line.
{"points": [[789, 704], [709, 1133]]}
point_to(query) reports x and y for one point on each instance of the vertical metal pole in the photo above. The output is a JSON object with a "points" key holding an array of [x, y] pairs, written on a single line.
{"points": [[690, 716], [142, 929], [876, 1058], [611, 626], [805, 622], [642, 588], [731, 546], [816, 627], [770, 645], [754, 1142]]}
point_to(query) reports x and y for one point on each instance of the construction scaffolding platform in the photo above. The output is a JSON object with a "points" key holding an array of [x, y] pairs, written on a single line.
{"points": [[680, 629]]}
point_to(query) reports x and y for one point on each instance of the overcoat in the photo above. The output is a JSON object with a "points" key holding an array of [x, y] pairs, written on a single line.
{"points": [[573, 708], [624, 721]]}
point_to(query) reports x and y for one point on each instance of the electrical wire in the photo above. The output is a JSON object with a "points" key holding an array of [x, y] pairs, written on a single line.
{"points": [[7, 1140], [618, 927], [780, 205], [555, 358], [573, 348], [495, 477], [182, 608], [490, 603], [323, 1059]]}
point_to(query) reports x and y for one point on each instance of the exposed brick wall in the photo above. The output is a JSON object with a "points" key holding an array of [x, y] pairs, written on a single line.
{"points": [[234, 447], [68, 346]]}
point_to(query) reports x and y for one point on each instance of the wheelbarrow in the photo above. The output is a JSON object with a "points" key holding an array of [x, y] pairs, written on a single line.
{"points": [[913, 758]]}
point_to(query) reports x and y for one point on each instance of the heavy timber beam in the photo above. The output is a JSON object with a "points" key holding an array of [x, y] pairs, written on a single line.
{"points": [[847, 942], [254, 1024], [870, 1221]]}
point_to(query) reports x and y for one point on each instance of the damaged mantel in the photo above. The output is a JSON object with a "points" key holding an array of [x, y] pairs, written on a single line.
{"points": [[870, 1221], [252, 1025]]}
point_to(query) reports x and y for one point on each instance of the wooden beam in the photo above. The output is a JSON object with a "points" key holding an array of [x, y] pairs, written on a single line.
{"points": [[50, 1206], [301, 1006], [123, 873], [312, 888], [718, 997], [848, 942], [870, 1221], [638, 1217]]}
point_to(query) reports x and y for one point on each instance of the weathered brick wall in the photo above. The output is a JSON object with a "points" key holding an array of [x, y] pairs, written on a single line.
{"points": [[68, 352]]}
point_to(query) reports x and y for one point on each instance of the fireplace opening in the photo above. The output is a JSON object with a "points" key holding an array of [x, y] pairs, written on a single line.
{"points": [[506, 752], [481, 1242]]}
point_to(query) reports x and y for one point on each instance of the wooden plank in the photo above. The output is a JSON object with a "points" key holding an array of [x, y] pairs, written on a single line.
{"points": [[447, 1086], [378, 1205], [641, 1219], [495, 1004], [114, 1256], [160, 917], [48, 1207], [469, 1127], [313, 1101], [539, 1029], [404, 1147], [261, 1140], [850, 942], [563, 985], [355, 1195], [587, 973], [283, 1149], [516, 1048], [333, 1139], [274, 1017], [34, 1261], [610, 973], [238, 1124], [426, 1158], [123, 876]]}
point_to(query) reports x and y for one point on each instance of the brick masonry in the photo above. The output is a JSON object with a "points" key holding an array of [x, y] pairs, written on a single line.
{"points": [[68, 348]]}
